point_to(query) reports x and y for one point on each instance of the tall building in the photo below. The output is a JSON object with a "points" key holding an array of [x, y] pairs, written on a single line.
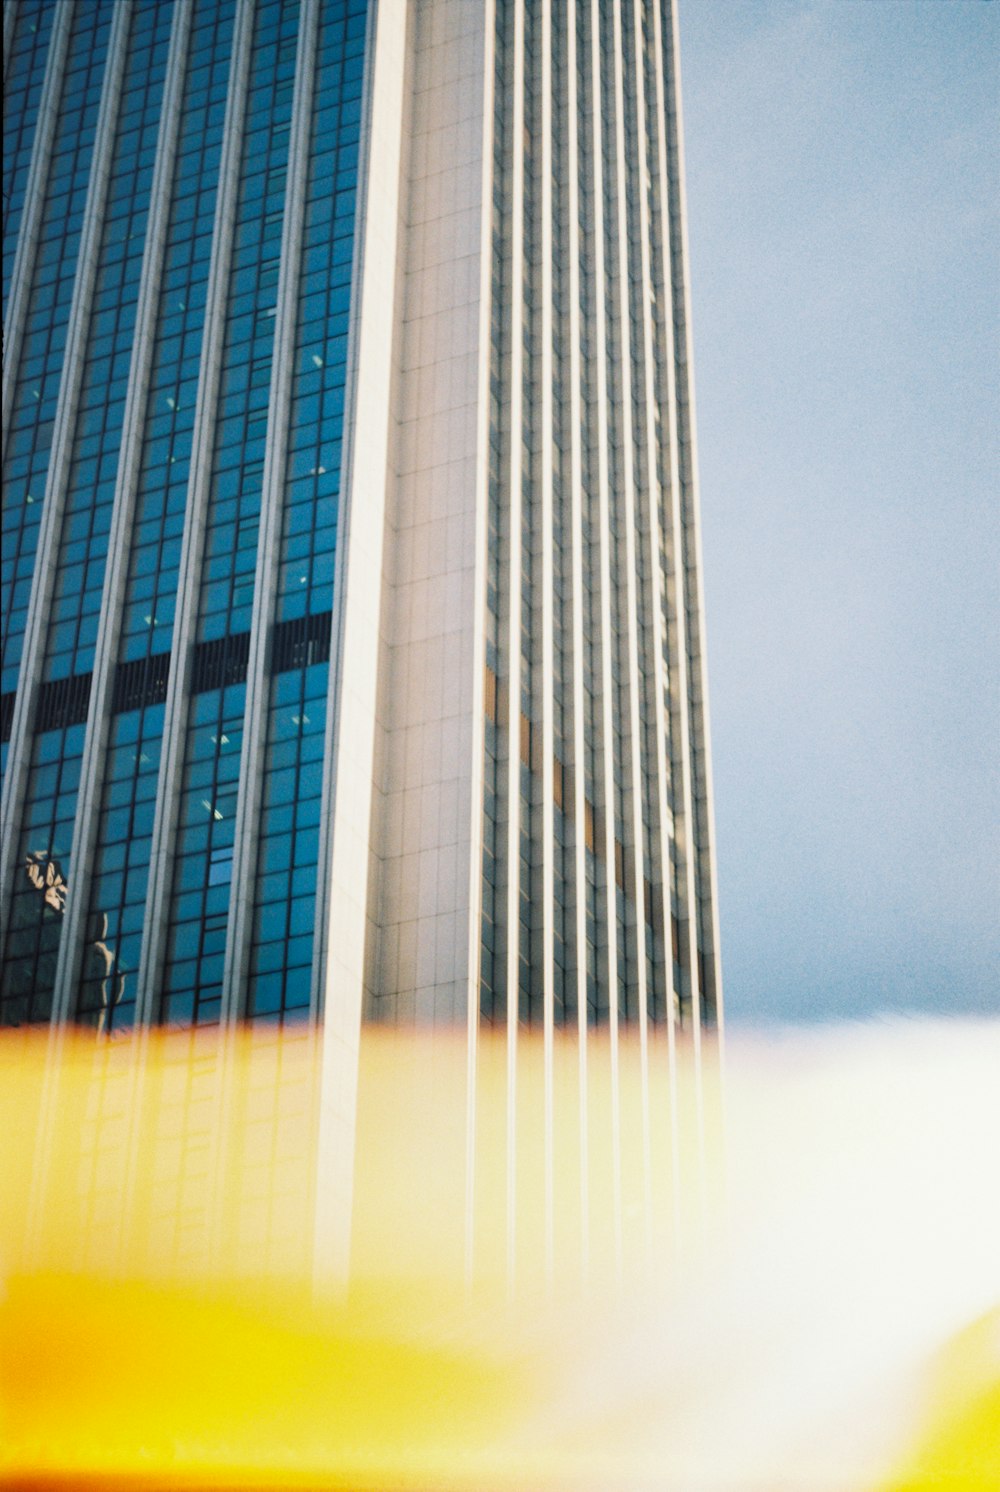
{"points": [[352, 620]]}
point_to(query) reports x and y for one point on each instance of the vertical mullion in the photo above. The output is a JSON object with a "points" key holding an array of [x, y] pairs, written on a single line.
{"points": [[241, 905], [9, 19], [34, 199], [607, 681], [671, 671], [477, 799], [654, 663], [681, 795], [579, 772], [514, 561], [548, 702], [694, 598], [43, 579], [182, 648], [631, 585], [116, 574]]}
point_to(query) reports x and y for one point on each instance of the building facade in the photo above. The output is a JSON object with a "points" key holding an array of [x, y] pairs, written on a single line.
{"points": [[353, 635]]}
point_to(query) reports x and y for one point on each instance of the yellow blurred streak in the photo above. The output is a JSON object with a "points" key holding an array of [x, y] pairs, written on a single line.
{"points": [[958, 1449], [159, 1318], [129, 1380]]}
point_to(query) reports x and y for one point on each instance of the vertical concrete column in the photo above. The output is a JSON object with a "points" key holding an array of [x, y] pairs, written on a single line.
{"points": [[427, 812], [548, 604], [514, 556], [634, 809], [475, 863], [350, 728], [576, 520], [599, 334], [681, 800], [651, 108], [707, 890]]}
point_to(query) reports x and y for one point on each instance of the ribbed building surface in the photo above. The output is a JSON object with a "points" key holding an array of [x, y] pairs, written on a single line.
{"points": [[352, 621]]}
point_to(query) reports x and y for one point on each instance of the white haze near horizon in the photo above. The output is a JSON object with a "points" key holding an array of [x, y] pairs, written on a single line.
{"points": [[842, 192]]}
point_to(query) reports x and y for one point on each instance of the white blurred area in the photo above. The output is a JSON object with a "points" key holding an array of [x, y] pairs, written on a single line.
{"points": [[862, 1233]]}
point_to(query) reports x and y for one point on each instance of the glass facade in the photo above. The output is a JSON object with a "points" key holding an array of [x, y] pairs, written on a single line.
{"points": [[204, 840], [165, 459], [29, 54], [192, 536], [121, 868], [288, 851], [38, 904], [205, 835], [92, 397], [38, 372], [126, 812], [103, 376]]}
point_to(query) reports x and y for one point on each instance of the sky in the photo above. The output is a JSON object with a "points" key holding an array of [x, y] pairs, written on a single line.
{"points": [[842, 212]]}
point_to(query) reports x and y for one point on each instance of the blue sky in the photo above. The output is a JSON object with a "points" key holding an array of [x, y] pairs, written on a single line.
{"points": [[842, 195]]}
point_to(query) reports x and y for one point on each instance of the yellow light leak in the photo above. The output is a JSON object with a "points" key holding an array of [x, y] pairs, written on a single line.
{"points": [[581, 1307], [958, 1444], [127, 1378]]}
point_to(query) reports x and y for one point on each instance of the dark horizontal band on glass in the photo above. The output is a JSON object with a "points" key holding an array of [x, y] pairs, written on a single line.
{"points": [[297, 643]]}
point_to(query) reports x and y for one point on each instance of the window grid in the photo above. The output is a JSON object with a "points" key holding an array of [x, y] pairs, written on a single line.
{"points": [[154, 561], [285, 897], [42, 877], [22, 92], [26, 457], [120, 872], [233, 514], [79, 580], [288, 847], [196, 939], [199, 899]]}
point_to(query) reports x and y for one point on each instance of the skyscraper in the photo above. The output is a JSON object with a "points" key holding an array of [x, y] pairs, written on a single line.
{"points": [[353, 633]]}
